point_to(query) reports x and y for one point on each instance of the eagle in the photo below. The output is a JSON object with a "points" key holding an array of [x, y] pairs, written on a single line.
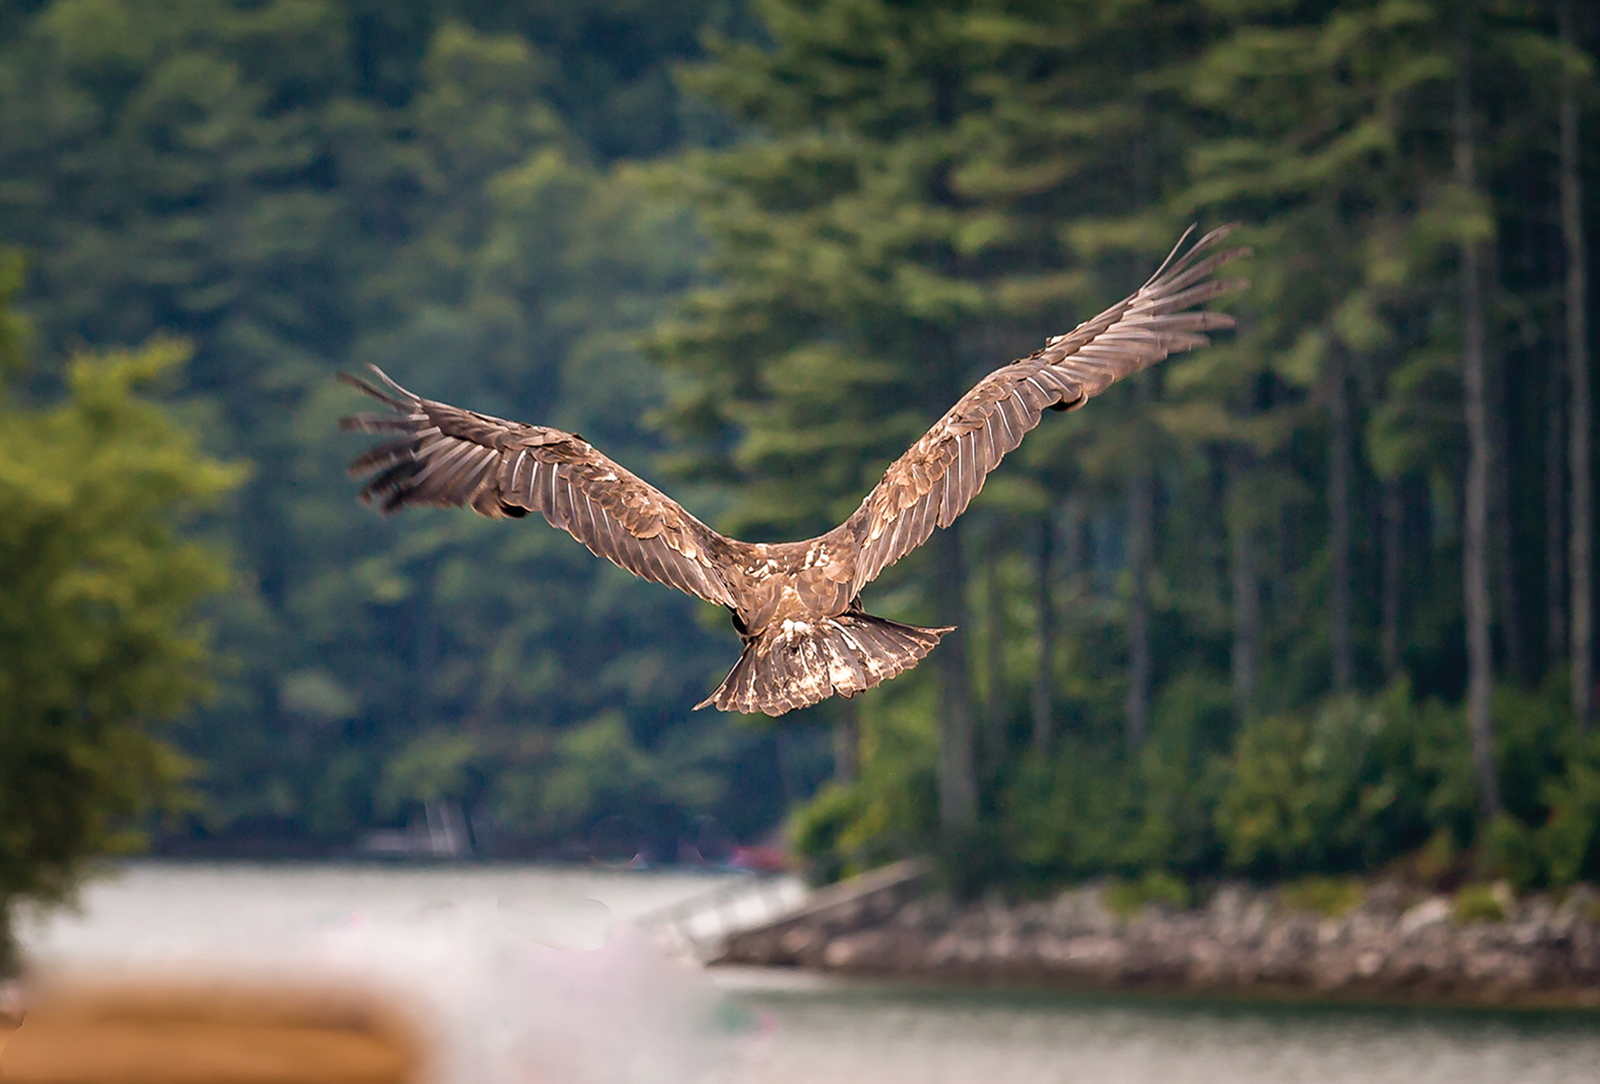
{"points": [[796, 605]]}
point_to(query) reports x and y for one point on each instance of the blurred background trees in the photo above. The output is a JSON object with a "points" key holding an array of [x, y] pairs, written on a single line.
{"points": [[99, 641], [1316, 599]]}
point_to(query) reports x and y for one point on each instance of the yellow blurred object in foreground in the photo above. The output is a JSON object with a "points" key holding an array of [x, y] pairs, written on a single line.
{"points": [[207, 1035]]}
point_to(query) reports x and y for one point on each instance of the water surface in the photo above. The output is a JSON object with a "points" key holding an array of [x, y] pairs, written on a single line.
{"points": [[541, 973], [856, 1033]]}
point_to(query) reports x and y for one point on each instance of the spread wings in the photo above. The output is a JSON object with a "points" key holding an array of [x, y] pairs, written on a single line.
{"points": [[934, 481], [443, 455]]}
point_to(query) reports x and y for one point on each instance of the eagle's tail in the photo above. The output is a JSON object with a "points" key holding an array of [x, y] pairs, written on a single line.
{"points": [[796, 664]]}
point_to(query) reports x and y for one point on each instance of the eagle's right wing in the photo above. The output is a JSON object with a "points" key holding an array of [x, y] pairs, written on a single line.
{"points": [[933, 482], [443, 455]]}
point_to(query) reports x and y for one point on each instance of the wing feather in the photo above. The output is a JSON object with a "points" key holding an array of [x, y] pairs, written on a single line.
{"points": [[939, 475], [447, 456]]}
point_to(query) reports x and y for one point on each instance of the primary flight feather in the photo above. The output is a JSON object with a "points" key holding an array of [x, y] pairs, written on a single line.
{"points": [[796, 605]]}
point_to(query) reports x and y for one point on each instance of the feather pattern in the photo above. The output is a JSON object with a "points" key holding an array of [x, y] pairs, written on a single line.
{"points": [[936, 479], [454, 457], [795, 604]]}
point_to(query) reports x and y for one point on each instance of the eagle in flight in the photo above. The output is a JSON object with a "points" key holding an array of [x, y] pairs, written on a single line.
{"points": [[796, 605]]}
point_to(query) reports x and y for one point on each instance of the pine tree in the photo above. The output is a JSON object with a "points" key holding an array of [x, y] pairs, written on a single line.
{"points": [[1580, 515], [892, 232], [1474, 366]]}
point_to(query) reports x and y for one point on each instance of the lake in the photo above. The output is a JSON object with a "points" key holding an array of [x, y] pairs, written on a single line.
{"points": [[538, 973]]}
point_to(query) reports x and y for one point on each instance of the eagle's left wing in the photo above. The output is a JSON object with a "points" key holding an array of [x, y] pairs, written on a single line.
{"points": [[442, 455]]}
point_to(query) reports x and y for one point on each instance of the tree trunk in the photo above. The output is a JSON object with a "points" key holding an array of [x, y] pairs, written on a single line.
{"points": [[994, 723], [1072, 552], [788, 773], [1475, 524], [847, 741], [1141, 529], [1339, 521], [1580, 514], [1505, 563], [1246, 589], [958, 787], [1043, 678], [1392, 511], [1555, 526]]}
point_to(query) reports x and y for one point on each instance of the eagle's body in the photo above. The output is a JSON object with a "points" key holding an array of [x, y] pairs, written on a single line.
{"points": [[796, 605]]}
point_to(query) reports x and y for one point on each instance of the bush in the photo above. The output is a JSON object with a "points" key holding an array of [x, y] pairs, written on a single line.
{"points": [[1127, 898], [1569, 839], [891, 810], [978, 859], [1326, 896], [1315, 798], [1072, 815], [1348, 788], [817, 828], [1480, 902]]}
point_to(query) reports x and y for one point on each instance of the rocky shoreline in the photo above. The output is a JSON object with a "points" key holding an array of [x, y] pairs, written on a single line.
{"points": [[1391, 944]]}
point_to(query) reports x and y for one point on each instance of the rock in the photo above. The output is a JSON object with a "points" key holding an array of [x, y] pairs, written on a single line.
{"points": [[1389, 946], [1434, 911], [1385, 900]]}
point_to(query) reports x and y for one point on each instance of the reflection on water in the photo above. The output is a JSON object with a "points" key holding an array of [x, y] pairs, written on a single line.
{"points": [[860, 1032], [474, 949]]}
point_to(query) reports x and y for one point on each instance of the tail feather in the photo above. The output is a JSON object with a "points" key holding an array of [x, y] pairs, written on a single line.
{"points": [[798, 664]]}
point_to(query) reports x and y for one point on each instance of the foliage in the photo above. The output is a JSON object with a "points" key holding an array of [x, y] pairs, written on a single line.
{"points": [[1479, 903], [1326, 896], [817, 832], [1128, 898], [1344, 789], [99, 639], [301, 186], [1320, 127], [888, 811], [844, 212]]}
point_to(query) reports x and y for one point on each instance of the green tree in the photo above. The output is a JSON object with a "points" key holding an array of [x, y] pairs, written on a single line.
{"points": [[899, 225], [299, 187], [99, 636]]}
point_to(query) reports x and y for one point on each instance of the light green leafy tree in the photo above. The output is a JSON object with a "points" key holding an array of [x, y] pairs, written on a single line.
{"points": [[100, 642]]}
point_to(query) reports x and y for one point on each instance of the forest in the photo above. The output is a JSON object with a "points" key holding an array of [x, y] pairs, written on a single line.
{"points": [[1314, 600]]}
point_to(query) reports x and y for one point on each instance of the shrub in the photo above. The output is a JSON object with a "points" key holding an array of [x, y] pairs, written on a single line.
{"points": [[1128, 898], [816, 828], [1479, 902], [1326, 896], [1569, 839], [1348, 788]]}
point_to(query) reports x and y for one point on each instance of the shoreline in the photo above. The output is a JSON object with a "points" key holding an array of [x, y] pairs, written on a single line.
{"points": [[1394, 946], [783, 982]]}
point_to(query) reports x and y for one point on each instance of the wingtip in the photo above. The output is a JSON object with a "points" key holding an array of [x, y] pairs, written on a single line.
{"points": [[1173, 255], [351, 380], [1181, 257], [1217, 233], [405, 400], [390, 383]]}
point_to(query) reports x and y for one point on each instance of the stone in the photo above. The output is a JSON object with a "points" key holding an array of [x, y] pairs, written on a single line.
{"points": [[1434, 911], [1391, 945]]}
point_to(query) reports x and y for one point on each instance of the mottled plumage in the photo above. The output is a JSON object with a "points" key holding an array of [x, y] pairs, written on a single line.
{"points": [[795, 604]]}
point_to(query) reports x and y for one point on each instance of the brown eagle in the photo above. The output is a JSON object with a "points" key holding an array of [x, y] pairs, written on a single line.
{"points": [[796, 605]]}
